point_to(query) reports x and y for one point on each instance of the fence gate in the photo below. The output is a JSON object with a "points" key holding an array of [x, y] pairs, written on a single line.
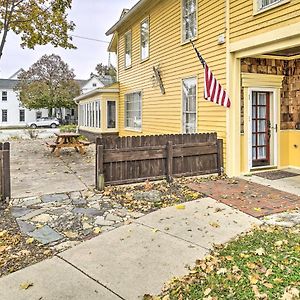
{"points": [[122, 160], [5, 185]]}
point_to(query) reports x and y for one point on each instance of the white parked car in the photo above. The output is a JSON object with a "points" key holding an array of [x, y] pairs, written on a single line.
{"points": [[44, 122]]}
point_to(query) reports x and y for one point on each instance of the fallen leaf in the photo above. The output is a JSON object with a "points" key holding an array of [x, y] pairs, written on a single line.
{"points": [[222, 271], [260, 251], [268, 272], [214, 224], [155, 230], [257, 208], [253, 278], [207, 292], [268, 285], [26, 285], [3, 248], [180, 206], [97, 230], [30, 240]]}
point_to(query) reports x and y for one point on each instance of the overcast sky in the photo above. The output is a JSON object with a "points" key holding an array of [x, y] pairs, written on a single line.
{"points": [[93, 18]]}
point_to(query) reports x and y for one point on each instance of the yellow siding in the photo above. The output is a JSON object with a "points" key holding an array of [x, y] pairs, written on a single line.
{"points": [[244, 24], [290, 148], [163, 113]]}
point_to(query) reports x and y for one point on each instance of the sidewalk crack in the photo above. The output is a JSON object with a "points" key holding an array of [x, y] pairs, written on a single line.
{"points": [[87, 275]]}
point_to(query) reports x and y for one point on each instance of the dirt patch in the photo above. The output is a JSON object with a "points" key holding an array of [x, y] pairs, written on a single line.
{"points": [[251, 198], [275, 175]]}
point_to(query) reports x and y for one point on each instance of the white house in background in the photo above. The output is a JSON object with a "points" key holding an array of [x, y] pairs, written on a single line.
{"points": [[96, 82], [12, 113]]}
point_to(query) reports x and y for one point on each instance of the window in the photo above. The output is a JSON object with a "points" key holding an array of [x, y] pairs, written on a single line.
{"points": [[94, 84], [22, 115], [111, 114], [189, 95], [4, 95], [4, 115], [189, 14], [145, 39], [267, 3], [38, 115], [133, 111], [128, 49]]}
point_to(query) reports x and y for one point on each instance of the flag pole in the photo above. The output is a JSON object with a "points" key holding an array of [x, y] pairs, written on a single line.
{"points": [[203, 62]]}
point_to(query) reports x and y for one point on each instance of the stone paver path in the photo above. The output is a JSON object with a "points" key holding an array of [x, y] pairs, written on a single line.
{"points": [[249, 197], [62, 220]]}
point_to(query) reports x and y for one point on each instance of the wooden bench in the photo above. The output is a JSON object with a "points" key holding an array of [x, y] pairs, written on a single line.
{"points": [[51, 144], [85, 143]]}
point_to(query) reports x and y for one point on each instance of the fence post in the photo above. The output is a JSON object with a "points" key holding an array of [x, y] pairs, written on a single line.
{"points": [[100, 168], [5, 171], [220, 156], [1, 172], [169, 161]]}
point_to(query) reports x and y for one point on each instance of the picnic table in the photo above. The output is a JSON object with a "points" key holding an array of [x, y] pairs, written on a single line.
{"points": [[67, 140]]}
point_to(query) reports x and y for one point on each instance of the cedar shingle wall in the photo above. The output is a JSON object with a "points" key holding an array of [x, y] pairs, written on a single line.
{"points": [[290, 92]]}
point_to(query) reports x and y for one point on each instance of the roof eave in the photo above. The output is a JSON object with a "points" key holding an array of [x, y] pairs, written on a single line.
{"points": [[127, 16]]}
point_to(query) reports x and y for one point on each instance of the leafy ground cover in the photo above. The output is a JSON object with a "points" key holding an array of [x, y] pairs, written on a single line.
{"points": [[263, 264], [16, 250], [168, 194]]}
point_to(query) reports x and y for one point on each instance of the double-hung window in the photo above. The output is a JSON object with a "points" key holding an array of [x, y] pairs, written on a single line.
{"points": [[189, 99], [145, 39], [22, 115], [4, 115], [133, 111], [4, 95], [189, 15], [128, 49]]}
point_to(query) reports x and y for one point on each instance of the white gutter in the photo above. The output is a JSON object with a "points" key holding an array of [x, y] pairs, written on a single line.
{"points": [[127, 16], [95, 92]]}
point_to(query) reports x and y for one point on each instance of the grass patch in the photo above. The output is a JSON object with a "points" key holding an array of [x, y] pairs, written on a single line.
{"points": [[68, 128], [263, 264]]}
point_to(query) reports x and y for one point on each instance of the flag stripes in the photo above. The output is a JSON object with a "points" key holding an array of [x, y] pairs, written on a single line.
{"points": [[213, 90]]}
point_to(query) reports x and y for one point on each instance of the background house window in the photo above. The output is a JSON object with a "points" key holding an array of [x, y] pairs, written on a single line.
{"points": [[145, 39], [128, 49], [266, 3], [133, 111], [22, 115], [94, 84], [38, 114], [4, 115], [189, 95], [189, 19], [111, 114], [4, 95]]}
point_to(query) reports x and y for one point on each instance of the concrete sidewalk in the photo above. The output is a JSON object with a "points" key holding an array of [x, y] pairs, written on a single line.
{"points": [[133, 260]]}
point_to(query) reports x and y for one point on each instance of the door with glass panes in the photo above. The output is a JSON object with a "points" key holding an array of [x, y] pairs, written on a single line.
{"points": [[261, 133]]}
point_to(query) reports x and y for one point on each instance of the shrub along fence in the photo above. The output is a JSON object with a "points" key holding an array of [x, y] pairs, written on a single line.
{"points": [[123, 160], [5, 186]]}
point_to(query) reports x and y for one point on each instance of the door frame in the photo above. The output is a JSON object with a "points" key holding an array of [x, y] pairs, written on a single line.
{"points": [[274, 121]]}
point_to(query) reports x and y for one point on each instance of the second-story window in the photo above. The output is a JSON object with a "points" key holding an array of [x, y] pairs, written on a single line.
{"points": [[128, 49], [145, 39], [4, 95], [189, 13], [266, 3]]}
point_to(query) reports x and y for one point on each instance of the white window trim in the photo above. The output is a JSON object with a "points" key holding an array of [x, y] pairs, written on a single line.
{"points": [[183, 39], [128, 32], [148, 20], [130, 128], [257, 10], [182, 103]]}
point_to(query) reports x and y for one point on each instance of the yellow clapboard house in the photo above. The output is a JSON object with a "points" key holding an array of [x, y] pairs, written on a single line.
{"points": [[252, 48]]}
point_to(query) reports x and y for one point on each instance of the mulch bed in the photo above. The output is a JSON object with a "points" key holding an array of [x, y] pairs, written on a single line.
{"points": [[251, 198], [275, 175], [16, 250]]}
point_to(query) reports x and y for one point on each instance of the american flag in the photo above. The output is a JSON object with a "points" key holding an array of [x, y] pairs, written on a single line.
{"points": [[213, 90]]}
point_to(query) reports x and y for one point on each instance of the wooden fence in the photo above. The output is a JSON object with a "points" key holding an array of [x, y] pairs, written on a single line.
{"points": [[5, 187], [123, 160]]}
